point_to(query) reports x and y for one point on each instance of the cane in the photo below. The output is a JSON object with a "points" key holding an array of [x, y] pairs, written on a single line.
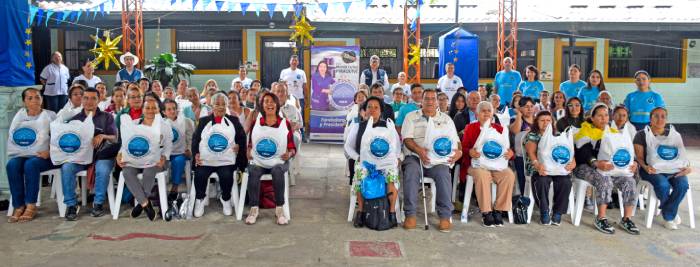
{"points": [[422, 184]]}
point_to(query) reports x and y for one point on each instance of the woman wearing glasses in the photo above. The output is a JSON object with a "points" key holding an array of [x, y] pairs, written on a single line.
{"points": [[573, 117]]}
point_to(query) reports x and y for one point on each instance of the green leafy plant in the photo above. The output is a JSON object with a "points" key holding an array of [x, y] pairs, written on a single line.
{"points": [[166, 68]]}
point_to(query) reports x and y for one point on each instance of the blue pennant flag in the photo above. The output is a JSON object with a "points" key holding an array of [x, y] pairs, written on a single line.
{"points": [[194, 4], [80, 13], [229, 6], [48, 17], [347, 6], [244, 7], [72, 14], [391, 3], [182, 1], [297, 9], [219, 4], [284, 9], [40, 16], [94, 13], [205, 3], [323, 7], [60, 16], [32, 13], [102, 9], [257, 8], [271, 9], [172, 2], [113, 3], [367, 3]]}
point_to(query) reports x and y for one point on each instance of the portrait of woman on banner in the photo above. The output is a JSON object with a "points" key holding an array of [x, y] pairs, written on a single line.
{"points": [[321, 82]]}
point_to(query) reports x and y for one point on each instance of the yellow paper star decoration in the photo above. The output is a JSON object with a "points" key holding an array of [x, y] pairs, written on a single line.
{"points": [[415, 54], [106, 50], [28, 65], [302, 30]]}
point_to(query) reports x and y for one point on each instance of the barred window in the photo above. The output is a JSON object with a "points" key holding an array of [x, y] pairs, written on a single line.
{"points": [[661, 60], [215, 49]]}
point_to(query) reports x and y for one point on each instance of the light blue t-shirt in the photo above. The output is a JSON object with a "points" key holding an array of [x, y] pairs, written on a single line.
{"points": [[641, 103], [571, 89], [405, 109], [507, 82], [588, 96], [531, 89]]}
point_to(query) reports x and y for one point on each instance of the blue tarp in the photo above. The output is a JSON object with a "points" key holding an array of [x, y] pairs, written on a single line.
{"points": [[462, 49], [16, 58]]}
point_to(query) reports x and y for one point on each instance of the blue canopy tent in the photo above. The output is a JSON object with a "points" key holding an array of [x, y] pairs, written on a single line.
{"points": [[461, 48]]}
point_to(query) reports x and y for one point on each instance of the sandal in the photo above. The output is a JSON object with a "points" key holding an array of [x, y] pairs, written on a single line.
{"points": [[281, 219], [29, 213], [252, 216], [16, 214]]}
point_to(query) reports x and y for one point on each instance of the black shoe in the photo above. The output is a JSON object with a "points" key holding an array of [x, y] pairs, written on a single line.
{"points": [[72, 213], [172, 196], [629, 226], [97, 210], [556, 219], [150, 212], [604, 226], [359, 220], [488, 219], [497, 218], [136, 211], [392, 219]]}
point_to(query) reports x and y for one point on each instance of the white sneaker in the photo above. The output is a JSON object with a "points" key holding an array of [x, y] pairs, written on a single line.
{"points": [[198, 208], [671, 225], [281, 219], [228, 209], [677, 220], [252, 216]]}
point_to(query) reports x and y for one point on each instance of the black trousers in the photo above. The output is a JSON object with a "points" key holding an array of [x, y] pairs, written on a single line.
{"points": [[254, 175], [201, 178], [562, 189]]}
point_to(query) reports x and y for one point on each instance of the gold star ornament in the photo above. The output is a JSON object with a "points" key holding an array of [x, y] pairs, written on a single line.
{"points": [[415, 54], [302, 30], [106, 50]]}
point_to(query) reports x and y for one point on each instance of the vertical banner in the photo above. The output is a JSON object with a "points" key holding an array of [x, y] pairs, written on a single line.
{"points": [[335, 71]]}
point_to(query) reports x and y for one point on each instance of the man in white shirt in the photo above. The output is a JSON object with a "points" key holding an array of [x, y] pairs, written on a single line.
{"points": [[449, 82], [55, 77], [296, 81], [88, 75], [402, 83], [242, 72], [374, 74]]}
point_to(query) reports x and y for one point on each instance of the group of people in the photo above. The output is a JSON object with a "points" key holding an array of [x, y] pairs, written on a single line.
{"points": [[519, 130], [145, 128]]}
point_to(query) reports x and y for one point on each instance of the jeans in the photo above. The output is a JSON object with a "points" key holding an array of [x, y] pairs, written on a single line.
{"points": [[670, 200], [177, 168], [103, 169], [254, 175], [411, 183], [55, 102], [23, 176]]}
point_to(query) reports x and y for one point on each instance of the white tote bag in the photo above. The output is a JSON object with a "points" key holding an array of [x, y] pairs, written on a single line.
{"points": [[629, 128], [492, 146], [179, 127], [269, 144], [379, 145], [27, 138], [618, 149], [555, 152], [504, 117], [440, 141], [215, 147], [72, 142], [666, 153], [141, 143]]}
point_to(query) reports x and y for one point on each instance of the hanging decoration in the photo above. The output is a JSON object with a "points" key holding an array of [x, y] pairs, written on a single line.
{"points": [[106, 50], [302, 31], [415, 54]]}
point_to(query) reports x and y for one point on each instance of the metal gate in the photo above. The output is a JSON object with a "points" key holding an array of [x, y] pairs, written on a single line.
{"points": [[274, 58], [582, 56]]}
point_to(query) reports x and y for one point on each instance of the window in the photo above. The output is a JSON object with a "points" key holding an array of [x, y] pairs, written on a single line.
{"points": [[77, 47], [661, 61], [381, 52], [213, 50], [488, 54]]}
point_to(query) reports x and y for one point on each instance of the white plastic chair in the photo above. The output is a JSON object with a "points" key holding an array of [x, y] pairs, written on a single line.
{"points": [[234, 194], [579, 187], [57, 187], [161, 178], [455, 182], [654, 203], [53, 173], [265, 177], [467, 199], [353, 200]]}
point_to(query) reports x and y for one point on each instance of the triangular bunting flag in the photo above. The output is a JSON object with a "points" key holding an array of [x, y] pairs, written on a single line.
{"points": [[285, 9], [48, 17], [40, 16], [60, 16], [219, 4], [257, 8], [109, 9], [205, 3], [77, 18], [102, 9], [347, 6], [194, 4], [391, 3], [94, 12], [71, 16], [32, 13], [323, 7], [244, 7], [172, 2], [271, 9], [113, 3], [297, 9], [367, 3], [229, 6]]}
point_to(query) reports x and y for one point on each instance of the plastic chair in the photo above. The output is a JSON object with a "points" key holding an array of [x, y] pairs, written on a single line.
{"points": [[53, 173], [654, 203], [161, 178], [234, 194], [57, 187], [353, 200], [467, 200], [579, 187], [455, 182], [265, 177]]}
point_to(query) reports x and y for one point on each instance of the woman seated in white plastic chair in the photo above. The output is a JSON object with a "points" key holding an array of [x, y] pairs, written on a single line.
{"points": [[367, 145], [183, 128], [663, 163], [219, 147], [146, 147], [588, 145], [28, 154], [549, 160], [271, 145], [620, 121]]}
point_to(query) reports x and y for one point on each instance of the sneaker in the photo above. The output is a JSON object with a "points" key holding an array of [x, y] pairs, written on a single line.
{"points": [[359, 220], [556, 219], [97, 210], [150, 212], [629, 226], [228, 208], [198, 208], [604, 226], [72, 213], [136, 211], [488, 219], [544, 218], [497, 218], [409, 223], [677, 220], [671, 225], [444, 225], [252, 216]]}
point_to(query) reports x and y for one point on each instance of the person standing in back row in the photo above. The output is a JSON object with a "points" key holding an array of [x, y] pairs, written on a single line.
{"points": [[55, 77], [574, 84], [641, 102], [506, 81], [449, 82], [129, 73], [296, 82], [374, 74]]}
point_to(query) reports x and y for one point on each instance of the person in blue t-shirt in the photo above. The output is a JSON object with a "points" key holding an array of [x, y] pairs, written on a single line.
{"points": [[589, 94], [640, 103], [574, 84], [506, 81], [531, 87], [416, 97]]}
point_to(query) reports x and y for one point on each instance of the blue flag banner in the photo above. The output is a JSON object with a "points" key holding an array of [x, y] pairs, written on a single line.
{"points": [[347, 6], [230, 6], [285, 9], [172, 2], [297, 9], [367, 3], [102, 9], [194, 4], [205, 3], [32, 13], [40, 16], [48, 17], [257, 8], [77, 17], [60, 16], [17, 68], [219, 4], [271, 9], [391, 3], [323, 7], [244, 8]]}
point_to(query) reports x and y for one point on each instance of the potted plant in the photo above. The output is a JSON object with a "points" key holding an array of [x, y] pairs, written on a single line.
{"points": [[166, 68]]}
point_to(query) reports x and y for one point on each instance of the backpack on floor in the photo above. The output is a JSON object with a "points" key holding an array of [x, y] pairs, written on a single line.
{"points": [[267, 195], [520, 205], [376, 213]]}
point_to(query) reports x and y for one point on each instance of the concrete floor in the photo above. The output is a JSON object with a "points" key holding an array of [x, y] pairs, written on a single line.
{"points": [[320, 236]]}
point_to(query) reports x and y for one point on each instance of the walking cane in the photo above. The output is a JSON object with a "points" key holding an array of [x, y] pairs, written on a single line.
{"points": [[422, 184]]}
